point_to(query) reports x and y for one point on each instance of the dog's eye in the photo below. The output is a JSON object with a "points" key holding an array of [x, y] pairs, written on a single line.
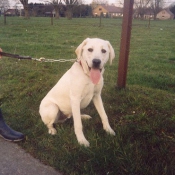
{"points": [[90, 50], [103, 51]]}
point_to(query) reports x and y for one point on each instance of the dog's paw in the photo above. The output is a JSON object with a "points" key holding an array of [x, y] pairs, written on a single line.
{"points": [[110, 131], [84, 143], [52, 131], [85, 117]]}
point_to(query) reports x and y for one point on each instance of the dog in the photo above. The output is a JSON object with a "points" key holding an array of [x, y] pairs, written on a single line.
{"points": [[74, 91]]}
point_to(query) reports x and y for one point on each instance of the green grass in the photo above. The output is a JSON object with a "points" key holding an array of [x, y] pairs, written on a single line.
{"points": [[142, 115]]}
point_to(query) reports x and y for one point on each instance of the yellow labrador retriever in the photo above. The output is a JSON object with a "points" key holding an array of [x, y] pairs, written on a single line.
{"points": [[82, 83]]}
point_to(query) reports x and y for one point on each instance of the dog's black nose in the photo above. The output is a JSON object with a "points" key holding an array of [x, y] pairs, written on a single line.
{"points": [[96, 62]]}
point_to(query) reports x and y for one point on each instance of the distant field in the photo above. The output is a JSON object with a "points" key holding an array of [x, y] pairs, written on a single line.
{"points": [[142, 115]]}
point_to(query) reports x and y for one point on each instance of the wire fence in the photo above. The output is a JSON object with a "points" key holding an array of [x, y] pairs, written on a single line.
{"points": [[59, 41]]}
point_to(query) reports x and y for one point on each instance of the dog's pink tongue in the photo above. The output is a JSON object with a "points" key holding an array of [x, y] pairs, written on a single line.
{"points": [[95, 75]]}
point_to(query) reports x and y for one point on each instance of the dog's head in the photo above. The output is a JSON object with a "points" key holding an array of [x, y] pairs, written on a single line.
{"points": [[95, 48], [93, 54]]}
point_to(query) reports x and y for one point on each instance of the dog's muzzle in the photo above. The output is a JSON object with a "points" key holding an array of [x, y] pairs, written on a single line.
{"points": [[96, 63]]}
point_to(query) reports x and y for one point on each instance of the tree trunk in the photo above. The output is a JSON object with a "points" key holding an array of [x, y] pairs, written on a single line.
{"points": [[26, 11], [69, 12], [57, 15]]}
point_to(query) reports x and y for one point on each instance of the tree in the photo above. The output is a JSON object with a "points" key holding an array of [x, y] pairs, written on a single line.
{"points": [[119, 3], [82, 10], [4, 5], [37, 9], [156, 6], [141, 6], [56, 4], [26, 9], [172, 8], [69, 6]]}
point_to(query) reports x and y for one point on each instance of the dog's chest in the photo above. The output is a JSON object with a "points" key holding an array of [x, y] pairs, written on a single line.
{"points": [[87, 95]]}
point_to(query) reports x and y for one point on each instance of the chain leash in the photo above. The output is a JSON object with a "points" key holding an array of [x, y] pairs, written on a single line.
{"points": [[42, 59]]}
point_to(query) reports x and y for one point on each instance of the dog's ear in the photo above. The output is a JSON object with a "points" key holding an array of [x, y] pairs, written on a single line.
{"points": [[79, 49], [111, 52]]}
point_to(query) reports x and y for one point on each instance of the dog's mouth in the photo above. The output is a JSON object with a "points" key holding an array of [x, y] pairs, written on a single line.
{"points": [[100, 69], [95, 74]]}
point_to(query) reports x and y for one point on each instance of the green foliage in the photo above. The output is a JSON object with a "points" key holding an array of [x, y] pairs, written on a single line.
{"points": [[143, 114]]}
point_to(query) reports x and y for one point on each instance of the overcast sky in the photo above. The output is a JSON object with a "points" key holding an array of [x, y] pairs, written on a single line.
{"points": [[167, 2], [42, 1]]}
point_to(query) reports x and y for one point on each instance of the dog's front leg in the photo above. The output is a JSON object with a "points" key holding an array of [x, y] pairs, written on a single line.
{"points": [[99, 106], [78, 128]]}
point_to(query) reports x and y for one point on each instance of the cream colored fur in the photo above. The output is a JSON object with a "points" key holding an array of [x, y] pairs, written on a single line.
{"points": [[75, 90]]}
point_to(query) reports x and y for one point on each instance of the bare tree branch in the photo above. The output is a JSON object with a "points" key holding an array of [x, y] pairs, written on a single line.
{"points": [[156, 5], [56, 4]]}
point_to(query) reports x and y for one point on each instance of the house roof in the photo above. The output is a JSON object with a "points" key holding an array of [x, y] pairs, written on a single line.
{"points": [[112, 9], [168, 11], [10, 11]]}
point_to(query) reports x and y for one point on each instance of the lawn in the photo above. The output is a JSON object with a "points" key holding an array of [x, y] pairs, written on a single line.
{"points": [[142, 114]]}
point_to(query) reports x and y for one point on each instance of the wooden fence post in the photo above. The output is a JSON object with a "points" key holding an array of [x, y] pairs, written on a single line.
{"points": [[52, 19], [4, 19], [125, 43]]}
